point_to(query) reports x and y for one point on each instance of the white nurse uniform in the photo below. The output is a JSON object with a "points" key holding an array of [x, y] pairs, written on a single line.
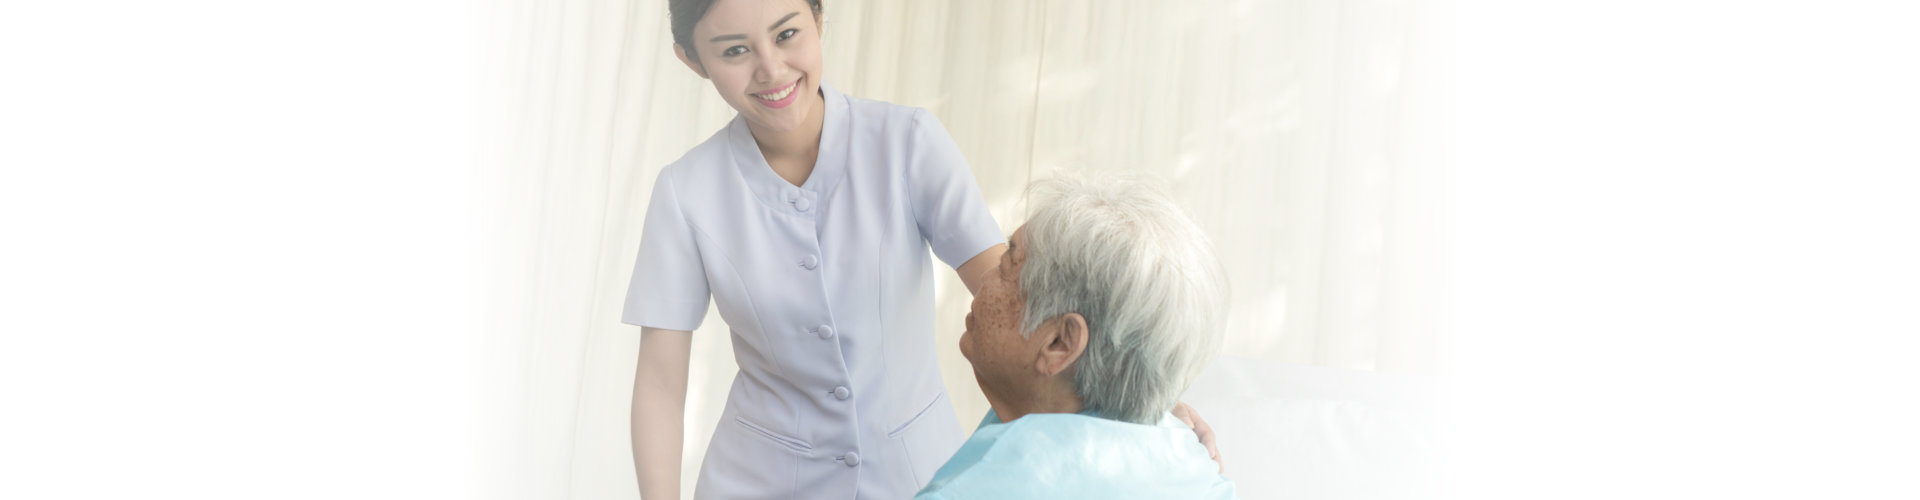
{"points": [[828, 292]]}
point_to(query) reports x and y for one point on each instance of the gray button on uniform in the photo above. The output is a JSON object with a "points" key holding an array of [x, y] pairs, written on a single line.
{"points": [[825, 332], [842, 392], [803, 204], [809, 262], [851, 458]]}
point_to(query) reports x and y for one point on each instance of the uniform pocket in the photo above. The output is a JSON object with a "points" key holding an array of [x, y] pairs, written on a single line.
{"points": [[790, 442], [929, 438], [916, 416]]}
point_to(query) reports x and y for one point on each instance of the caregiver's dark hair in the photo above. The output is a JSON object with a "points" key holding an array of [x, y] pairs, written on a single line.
{"points": [[686, 13]]}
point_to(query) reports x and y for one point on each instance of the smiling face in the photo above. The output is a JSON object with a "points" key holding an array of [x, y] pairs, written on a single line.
{"points": [[763, 56]]}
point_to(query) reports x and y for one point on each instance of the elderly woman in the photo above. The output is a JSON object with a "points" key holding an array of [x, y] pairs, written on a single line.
{"points": [[1105, 306]]}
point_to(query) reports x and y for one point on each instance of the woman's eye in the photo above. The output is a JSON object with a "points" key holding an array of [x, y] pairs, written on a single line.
{"points": [[789, 33], [734, 50]]}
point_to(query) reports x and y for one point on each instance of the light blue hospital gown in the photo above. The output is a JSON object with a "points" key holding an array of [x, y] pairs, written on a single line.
{"points": [[1067, 455], [828, 291]]}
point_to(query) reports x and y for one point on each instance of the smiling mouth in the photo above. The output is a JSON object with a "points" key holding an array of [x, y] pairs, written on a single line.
{"points": [[780, 93]]}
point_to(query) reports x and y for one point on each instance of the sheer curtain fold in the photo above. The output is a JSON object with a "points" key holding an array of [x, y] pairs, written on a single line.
{"points": [[1281, 126]]}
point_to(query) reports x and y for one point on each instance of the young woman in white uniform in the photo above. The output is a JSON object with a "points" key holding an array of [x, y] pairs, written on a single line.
{"points": [[807, 220]]}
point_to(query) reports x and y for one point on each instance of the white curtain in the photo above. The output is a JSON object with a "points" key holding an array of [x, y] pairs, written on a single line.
{"points": [[1282, 126]]}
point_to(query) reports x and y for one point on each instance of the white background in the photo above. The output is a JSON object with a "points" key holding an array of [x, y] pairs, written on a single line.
{"points": [[235, 255]]}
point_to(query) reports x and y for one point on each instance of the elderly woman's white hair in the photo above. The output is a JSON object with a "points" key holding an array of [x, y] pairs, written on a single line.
{"points": [[1123, 255]]}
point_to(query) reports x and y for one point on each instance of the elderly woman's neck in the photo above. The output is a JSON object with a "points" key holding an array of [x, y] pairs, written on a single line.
{"points": [[1053, 396]]}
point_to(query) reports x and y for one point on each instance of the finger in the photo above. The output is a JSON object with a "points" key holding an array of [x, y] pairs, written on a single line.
{"points": [[1214, 453], [1205, 432], [1201, 428], [1184, 413]]}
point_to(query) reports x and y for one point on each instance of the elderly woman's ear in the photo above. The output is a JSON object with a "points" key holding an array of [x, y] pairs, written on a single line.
{"points": [[1062, 340]]}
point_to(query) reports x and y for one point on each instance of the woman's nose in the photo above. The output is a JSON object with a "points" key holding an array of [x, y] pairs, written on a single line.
{"points": [[767, 66]]}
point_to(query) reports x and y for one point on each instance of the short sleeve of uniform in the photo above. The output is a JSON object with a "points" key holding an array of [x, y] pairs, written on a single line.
{"points": [[669, 286], [947, 205]]}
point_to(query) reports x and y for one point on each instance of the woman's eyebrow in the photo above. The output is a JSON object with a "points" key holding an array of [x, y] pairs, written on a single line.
{"points": [[783, 20], [776, 25]]}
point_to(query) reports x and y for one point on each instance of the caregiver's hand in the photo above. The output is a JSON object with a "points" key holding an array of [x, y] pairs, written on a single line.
{"points": [[1200, 428]]}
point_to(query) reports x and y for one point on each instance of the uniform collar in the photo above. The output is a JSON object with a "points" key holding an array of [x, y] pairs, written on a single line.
{"points": [[828, 168]]}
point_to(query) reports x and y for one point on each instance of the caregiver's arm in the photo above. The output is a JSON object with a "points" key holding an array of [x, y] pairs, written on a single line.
{"points": [[659, 410], [972, 272]]}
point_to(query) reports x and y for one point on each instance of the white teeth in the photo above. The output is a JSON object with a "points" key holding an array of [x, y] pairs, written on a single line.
{"points": [[778, 95]]}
